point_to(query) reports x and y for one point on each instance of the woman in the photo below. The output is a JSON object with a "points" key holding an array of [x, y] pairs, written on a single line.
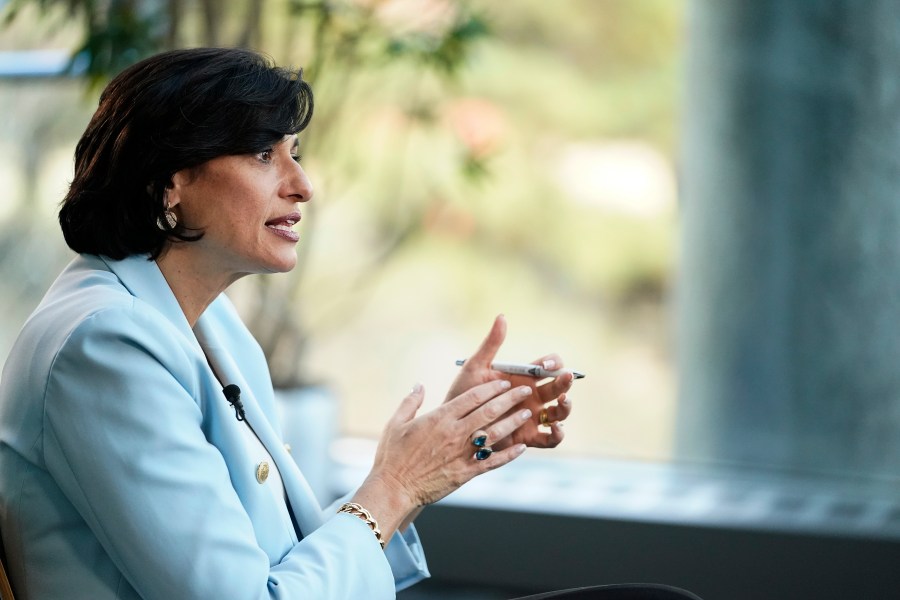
{"points": [[139, 449]]}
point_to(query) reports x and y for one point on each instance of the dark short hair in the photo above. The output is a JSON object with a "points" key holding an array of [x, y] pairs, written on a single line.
{"points": [[169, 112]]}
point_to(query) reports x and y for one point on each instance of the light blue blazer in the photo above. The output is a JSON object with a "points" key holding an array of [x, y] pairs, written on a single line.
{"points": [[124, 472]]}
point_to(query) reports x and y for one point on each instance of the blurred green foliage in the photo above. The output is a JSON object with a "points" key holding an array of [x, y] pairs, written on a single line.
{"points": [[470, 158], [345, 38]]}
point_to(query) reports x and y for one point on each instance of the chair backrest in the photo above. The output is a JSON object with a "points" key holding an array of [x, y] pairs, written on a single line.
{"points": [[6, 592], [5, 589]]}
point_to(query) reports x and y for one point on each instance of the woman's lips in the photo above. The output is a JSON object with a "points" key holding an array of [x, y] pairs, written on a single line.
{"points": [[281, 226]]}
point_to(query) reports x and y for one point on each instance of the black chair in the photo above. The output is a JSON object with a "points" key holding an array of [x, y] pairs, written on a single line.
{"points": [[647, 591]]}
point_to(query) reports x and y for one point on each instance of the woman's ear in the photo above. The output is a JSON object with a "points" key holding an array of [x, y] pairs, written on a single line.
{"points": [[174, 188]]}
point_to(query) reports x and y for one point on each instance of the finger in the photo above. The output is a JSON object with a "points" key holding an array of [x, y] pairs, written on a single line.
{"points": [[499, 458], [561, 410], [495, 408], [410, 405], [486, 352], [475, 397], [505, 427], [557, 433], [550, 362], [554, 388], [551, 439]]}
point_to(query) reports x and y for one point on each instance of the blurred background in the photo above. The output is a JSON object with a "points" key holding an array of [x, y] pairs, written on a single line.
{"points": [[693, 202], [470, 159]]}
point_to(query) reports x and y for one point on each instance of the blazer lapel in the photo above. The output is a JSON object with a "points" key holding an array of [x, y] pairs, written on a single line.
{"points": [[143, 279], [303, 501]]}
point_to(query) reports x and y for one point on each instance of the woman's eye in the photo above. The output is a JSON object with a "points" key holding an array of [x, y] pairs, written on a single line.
{"points": [[265, 156], [297, 158]]}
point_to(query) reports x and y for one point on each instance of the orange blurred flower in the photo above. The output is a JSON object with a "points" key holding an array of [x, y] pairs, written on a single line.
{"points": [[478, 123]]}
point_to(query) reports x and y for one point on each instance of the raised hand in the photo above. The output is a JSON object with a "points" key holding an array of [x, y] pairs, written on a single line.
{"points": [[421, 459], [550, 395]]}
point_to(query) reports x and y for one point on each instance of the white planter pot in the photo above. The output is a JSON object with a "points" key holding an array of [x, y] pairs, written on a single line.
{"points": [[309, 418]]}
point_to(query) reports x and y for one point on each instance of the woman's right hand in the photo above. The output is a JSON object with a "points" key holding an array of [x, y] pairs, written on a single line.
{"points": [[422, 459]]}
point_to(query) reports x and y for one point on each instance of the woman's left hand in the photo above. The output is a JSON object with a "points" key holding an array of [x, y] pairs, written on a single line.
{"points": [[549, 395]]}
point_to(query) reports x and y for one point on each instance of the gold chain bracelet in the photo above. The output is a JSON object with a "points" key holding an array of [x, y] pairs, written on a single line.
{"points": [[352, 508]]}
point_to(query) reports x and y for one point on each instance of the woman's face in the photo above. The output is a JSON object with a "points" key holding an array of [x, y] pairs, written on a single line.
{"points": [[246, 206]]}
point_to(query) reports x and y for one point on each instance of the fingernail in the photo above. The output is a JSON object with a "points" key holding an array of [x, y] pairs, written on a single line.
{"points": [[519, 448], [565, 401], [417, 388], [525, 414], [524, 391], [505, 384], [549, 364]]}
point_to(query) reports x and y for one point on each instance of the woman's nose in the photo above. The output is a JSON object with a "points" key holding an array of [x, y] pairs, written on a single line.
{"points": [[297, 185]]}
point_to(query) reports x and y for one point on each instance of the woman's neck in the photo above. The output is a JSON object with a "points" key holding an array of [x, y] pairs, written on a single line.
{"points": [[194, 283]]}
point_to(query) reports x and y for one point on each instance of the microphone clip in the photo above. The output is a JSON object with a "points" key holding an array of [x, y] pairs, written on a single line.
{"points": [[233, 395]]}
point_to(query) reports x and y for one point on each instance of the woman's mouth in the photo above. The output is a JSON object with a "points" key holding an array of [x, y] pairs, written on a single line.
{"points": [[281, 226]]}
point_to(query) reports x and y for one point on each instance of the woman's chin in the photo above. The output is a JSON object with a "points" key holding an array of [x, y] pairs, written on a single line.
{"points": [[283, 264]]}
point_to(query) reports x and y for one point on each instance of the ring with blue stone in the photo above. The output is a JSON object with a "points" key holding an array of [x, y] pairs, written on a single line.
{"points": [[483, 453], [479, 438]]}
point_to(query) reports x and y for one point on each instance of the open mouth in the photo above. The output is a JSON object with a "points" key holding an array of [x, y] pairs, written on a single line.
{"points": [[283, 226]]}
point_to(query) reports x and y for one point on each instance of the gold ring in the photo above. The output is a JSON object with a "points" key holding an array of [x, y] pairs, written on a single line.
{"points": [[545, 417]]}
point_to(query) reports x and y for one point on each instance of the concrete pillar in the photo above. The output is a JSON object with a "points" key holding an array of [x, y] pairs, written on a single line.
{"points": [[789, 291]]}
